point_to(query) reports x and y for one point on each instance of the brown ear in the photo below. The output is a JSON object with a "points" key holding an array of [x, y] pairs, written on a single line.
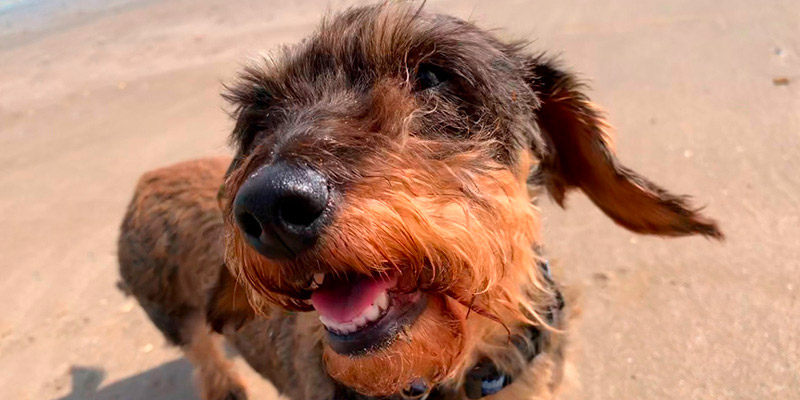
{"points": [[579, 154], [227, 306]]}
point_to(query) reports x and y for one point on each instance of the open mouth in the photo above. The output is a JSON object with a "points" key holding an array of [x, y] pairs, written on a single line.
{"points": [[361, 313]]}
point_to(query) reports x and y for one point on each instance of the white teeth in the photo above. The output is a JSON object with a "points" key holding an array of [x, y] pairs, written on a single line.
{"points": [[327, 322], [347, 327], [371, 313], [382, 301], [317, 280], [360, 321]]}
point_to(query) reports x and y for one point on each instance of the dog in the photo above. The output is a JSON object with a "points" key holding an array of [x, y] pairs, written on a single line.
{"points": [[376, 234]]}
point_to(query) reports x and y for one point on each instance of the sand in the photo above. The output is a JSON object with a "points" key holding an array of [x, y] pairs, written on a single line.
{"points": [[705, 96]]}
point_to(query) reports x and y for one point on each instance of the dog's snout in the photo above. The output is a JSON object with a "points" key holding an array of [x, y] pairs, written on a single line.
{"points": [[281, 209]]}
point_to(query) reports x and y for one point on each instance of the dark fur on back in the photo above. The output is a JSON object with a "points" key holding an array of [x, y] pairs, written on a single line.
{"points": [[154, 233]]}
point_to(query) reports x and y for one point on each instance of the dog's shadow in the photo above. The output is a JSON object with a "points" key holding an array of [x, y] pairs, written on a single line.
{"points": [[169, 381]]}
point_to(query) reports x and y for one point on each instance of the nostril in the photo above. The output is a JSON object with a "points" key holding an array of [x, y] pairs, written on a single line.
{"points": [[300, 210], [249, 224], [280, 209]]}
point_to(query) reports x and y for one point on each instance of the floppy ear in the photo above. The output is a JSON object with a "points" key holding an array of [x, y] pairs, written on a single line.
{"points": [[579, 154], [227, 306]]}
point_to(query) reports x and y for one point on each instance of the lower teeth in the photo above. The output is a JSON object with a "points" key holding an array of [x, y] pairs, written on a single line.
{"points": [[372, 314]]}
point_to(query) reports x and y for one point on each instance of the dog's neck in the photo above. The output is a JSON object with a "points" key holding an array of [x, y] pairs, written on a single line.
{"points": [[485, 377]]}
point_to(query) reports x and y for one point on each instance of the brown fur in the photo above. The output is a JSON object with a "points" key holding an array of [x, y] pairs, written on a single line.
{"points": [[432, 183], [170, 254]]}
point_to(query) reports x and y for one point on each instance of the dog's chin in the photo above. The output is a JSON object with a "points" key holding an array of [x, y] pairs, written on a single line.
{"points": [[416, 340], [363, 315]]}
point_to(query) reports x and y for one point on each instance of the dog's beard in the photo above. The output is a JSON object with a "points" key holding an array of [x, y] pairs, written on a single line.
{"points": [[427, 349], [460, 230]]}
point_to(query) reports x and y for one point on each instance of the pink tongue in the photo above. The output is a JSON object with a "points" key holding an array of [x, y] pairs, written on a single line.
{"points": [[344, 300]]}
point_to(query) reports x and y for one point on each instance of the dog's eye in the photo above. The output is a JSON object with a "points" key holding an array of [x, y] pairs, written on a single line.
{"points": [[429, 76]]}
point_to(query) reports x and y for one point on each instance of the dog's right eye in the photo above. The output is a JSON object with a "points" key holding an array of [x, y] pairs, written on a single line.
{"points": [[429, 76]]}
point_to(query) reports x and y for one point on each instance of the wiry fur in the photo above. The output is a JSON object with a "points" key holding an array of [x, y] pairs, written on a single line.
{"points": [[170, 256], [431, 184]]}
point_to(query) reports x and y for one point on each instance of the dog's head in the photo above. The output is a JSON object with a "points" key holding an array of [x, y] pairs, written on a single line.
{"points": [[382, 179]]}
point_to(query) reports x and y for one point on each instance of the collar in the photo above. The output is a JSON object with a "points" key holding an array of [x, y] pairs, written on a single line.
{"points": [[485, 378]]}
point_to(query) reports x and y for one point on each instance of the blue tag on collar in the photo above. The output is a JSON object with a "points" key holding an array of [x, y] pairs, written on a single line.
{"points": [[493, 386], [485, 379]]}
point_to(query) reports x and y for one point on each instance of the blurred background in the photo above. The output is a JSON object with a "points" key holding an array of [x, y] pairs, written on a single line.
{"points": [[705, 96]]}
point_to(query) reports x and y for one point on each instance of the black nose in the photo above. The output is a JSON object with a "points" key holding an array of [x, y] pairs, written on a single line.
{"points": [[281, 209]]}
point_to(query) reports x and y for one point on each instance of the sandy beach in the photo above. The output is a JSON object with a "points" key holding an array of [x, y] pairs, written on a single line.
{"points": [[705, 96]]}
